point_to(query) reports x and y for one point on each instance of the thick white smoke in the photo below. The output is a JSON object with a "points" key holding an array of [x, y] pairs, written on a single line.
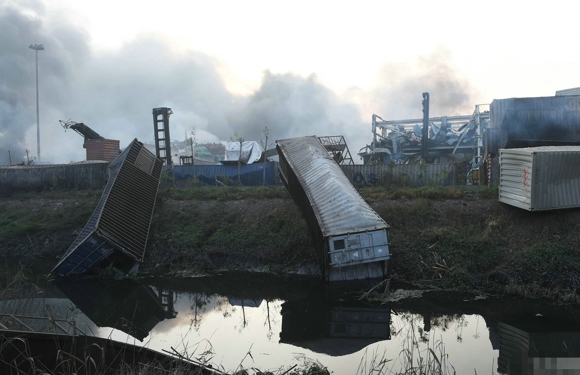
{"points": [[114, 93]]}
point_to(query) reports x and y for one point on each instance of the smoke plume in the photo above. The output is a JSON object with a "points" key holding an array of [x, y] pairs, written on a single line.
{"points": [[114, 93], [68, 49], [398, 95]]}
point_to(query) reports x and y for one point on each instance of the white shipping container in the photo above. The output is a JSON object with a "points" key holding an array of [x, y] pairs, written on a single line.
{"points": [[540, 178]]}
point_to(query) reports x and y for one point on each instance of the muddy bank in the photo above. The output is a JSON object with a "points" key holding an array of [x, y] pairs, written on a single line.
{"points": [[448, 238]]}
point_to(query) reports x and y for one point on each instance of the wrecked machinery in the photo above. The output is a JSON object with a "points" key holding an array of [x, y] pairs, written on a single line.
{"points": [[351, 239], [115, 237], [427, 139], [97, 147]]}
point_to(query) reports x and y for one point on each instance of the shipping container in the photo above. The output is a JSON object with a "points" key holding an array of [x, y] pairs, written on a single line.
{"points": [[351, 239], [540, 178], [117, 231], [534, 122], [102, 149], [572, 91]]}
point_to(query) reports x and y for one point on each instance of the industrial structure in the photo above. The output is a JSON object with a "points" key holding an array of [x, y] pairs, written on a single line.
{"points": [[337, 148], [430, 139], [97, 147], [351, 239], [474, 140], [162, 137], [115, 237]]}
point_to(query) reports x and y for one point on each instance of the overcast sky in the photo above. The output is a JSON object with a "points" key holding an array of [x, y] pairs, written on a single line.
{"points": [[300, 67]]}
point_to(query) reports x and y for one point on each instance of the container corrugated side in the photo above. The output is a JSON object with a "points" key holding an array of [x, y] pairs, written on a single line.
{"points": [[515, 178], [123, 215], [339, 207], [540, 178], [333, 209], [102, 149], [556, 178], [535, 122], [572, 91]]}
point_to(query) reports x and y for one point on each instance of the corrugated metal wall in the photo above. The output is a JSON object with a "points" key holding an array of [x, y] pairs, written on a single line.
{"points": [[402, 174], [250, 174], [102, 149], [572, 91], [122, 217], [45, 177], [540, 178], [359, 175], [332, 207], [533, 122], [94, 175], [126, 215]]}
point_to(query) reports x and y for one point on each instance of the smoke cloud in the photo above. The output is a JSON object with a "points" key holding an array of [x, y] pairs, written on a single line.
{"points": [[398, 95], [290, 106], [114, 93], [20, 27]]}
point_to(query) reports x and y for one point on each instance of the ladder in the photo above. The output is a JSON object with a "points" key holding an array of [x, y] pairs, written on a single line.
{"points": [[162, 139]]}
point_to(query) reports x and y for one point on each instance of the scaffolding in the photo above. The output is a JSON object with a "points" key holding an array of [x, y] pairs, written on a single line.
{"points": [[337, 148]]}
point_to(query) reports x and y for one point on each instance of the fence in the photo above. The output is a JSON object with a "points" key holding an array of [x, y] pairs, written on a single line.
{"points": [[46, 177], [94, 175]]}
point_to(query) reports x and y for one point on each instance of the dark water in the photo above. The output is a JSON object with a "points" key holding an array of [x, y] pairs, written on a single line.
{"points": [[266, 322]]}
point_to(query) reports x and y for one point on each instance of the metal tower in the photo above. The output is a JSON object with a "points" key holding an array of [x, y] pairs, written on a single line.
{"points": [[162, 139]]}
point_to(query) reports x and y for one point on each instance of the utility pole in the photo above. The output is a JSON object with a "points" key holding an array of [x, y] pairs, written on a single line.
{"points": [[36, 48]]}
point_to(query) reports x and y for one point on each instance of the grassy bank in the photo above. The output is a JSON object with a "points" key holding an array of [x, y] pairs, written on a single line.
{"points": [[444, 237]]}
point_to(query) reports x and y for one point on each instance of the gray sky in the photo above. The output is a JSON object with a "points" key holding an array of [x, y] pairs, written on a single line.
{"points": [[300, 68]]}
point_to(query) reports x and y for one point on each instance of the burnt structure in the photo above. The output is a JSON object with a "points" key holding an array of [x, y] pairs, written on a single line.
{"points": [[351, 239], [115, 236], [528, 122], [98, 147], [534, 122], [509, 123], [337, 148], [428, 139]]}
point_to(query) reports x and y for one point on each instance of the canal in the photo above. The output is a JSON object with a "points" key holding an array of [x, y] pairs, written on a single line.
{"points": [[234, 321]]}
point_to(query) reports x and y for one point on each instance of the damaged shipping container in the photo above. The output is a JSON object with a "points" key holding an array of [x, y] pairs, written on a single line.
{"points": [[351, 239], [116, 234], [536, 122], [540, 178]]}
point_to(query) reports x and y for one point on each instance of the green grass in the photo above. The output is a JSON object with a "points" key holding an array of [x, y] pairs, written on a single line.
{"points": [[377, 193], [17, 222], [222, 193]]}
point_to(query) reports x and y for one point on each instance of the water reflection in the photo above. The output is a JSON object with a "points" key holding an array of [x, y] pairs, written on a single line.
{"points": [[333, 328], [275, 319], [533, 344], [125, 305]]}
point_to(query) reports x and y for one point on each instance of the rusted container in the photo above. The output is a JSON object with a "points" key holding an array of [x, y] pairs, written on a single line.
{"points": [[102, 149]]}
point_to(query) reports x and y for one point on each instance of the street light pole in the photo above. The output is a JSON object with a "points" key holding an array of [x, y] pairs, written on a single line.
{"points": [[36, 48]]}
